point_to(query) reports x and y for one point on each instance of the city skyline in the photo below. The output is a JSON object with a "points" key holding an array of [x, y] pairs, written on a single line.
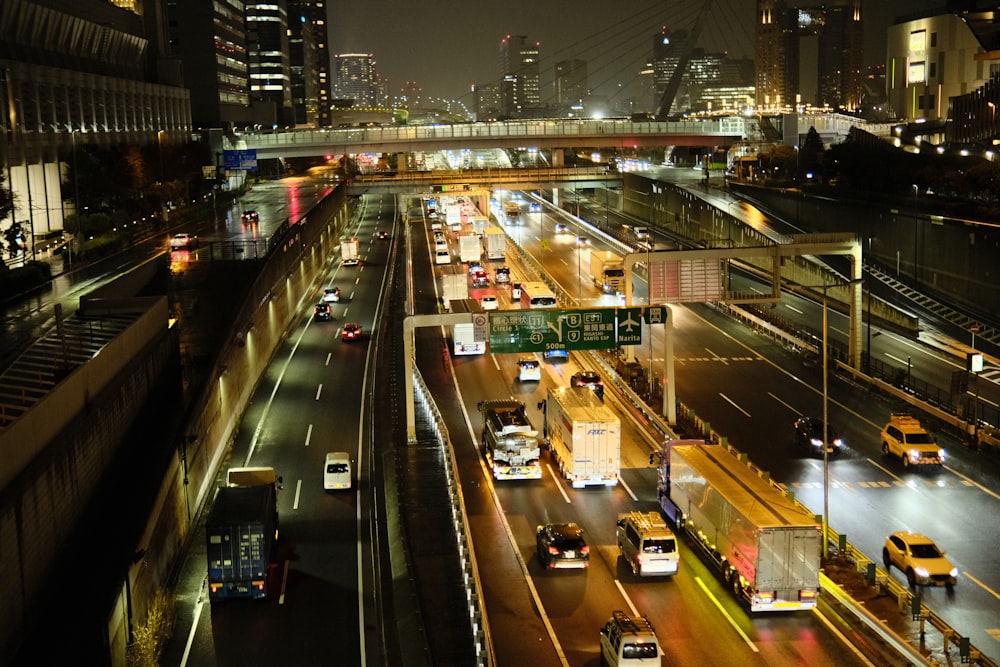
{"points": [[446, 51]]}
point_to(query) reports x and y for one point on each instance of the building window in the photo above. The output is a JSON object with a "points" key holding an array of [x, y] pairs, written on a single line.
{"points": [[932, 70], [918, 41], [933, 39], [916, 73]]}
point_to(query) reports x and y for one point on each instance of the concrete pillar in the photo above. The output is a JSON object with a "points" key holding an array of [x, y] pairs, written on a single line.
{"points": [[558, 158], [400, 163]]}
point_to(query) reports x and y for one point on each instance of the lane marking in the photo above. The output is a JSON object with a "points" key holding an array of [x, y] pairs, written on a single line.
{"points": [[732, 403], [309, 432], [725, 613]]}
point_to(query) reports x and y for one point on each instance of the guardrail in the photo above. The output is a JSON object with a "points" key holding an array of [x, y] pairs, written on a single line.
{"points": [[470, 570]]}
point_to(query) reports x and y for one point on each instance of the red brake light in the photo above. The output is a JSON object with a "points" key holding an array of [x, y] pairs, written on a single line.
{"points": [[585, 550], [553, 551]]}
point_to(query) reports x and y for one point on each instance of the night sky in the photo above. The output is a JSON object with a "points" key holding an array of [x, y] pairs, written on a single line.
{"points": [[445, 46]]}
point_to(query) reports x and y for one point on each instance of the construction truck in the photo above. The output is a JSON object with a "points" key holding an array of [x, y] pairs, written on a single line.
{"points": [[766, 547], [607, 270], [494, 242], [583, 435], [512, 210], [454, 287], [469, 248], [509, 442]]}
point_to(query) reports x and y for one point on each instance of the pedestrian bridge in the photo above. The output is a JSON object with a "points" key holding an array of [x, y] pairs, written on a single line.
{"points": [[547, 133]]}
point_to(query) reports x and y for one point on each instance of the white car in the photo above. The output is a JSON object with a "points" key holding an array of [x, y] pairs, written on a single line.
{"points": [[181, 241], [489, 303], [529, 370], [442, 257]]}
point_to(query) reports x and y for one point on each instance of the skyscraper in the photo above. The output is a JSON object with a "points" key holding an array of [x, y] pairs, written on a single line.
{"points": [[268, 56], [571, 81], [836, 29], [313, 12], [304, 67], [520, 71], [210, 39], [356, 78]]}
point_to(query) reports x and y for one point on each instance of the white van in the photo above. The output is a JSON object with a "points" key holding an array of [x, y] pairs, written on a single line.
{"points": [[647, 544], [629, 640], [442, 257], [337, 471]]}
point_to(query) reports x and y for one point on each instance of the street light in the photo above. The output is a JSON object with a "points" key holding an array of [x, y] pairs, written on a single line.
{"points": [[826, 411]]}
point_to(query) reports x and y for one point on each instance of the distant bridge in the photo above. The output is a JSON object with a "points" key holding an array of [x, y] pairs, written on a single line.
{"points": [[550, 133]]}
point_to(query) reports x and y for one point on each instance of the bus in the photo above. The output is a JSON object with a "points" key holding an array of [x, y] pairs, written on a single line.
{"points": [[537, 295]]}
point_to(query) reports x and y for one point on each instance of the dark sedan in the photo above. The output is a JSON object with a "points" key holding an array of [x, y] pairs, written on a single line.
{"points": [[562, 545], [809, 436]]}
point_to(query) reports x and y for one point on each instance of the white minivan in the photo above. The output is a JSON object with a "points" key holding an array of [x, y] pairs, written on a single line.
{"points": [[337, 471]]}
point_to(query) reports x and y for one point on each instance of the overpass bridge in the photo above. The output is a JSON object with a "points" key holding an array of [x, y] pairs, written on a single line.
{"points": [[542, 133]]}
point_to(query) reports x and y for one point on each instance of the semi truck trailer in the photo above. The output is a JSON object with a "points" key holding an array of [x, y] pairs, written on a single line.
{"points": [[240, 533], [607, 270], [584, 437], [766, 547]]}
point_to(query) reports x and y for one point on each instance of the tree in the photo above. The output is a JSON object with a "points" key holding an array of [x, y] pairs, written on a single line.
{"points": [[12, 241]]}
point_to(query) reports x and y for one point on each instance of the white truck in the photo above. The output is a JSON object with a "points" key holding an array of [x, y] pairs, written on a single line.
{"points": [[766, 547], [453, 216], [510, 444], [469, 248], [349, 252], [584, 437], [494, 243], [454, 287], [479, 223], [607, 270], [464, 340]]}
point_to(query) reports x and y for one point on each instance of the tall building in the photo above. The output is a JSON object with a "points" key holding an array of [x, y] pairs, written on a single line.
{"points": [[832, 32], [304, 69], [356, 78], [929, 59], [571, 82], [268, 56], [777, 55], [211, 41], [113, 83], [486, 101], [313, 12], [520, 71]]}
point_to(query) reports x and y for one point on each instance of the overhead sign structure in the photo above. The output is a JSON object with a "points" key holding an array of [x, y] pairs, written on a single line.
{"points": [[240, 159], [513, 331]]}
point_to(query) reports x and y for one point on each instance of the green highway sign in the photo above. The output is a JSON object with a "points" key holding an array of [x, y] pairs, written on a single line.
{"points": [[514, 331]]}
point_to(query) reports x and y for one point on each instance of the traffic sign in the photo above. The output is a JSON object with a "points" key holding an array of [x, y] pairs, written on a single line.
{"points": [[579, 329], [480, 330]]}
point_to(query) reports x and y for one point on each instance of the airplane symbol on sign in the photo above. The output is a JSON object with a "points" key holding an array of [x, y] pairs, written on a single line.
{"points": [[628, 323]]}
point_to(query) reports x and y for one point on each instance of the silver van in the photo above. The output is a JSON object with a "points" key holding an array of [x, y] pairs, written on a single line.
{"points": [[647, 544]]}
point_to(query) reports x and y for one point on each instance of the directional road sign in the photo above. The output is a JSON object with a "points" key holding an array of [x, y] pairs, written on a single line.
{"points": [[580, 329]]}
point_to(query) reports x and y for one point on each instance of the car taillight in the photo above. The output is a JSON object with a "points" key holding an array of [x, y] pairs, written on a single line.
{"points": [[585, 550], [553, 551]]}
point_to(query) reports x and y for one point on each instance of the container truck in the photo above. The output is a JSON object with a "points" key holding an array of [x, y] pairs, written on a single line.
{"points": [[766, 547], [469, 248], [584, 437], [240, 533], [510, 444], [349, 252], [494, 242], [607, 270], [454, 287]]}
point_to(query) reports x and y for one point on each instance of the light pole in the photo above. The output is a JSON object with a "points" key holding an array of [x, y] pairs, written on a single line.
{"points": [[826, 410], [579, 269]]}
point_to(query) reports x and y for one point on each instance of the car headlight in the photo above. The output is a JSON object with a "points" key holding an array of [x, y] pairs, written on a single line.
{"points": [[921, 572], [838, 443], [816, 442], [941, 455], [914, 455], [954, 572]]}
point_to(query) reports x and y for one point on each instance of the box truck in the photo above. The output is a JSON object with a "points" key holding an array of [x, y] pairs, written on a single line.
{"points": [[454, 287], [469, 248], [607, 270], [494, 242], [583, 435]]}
